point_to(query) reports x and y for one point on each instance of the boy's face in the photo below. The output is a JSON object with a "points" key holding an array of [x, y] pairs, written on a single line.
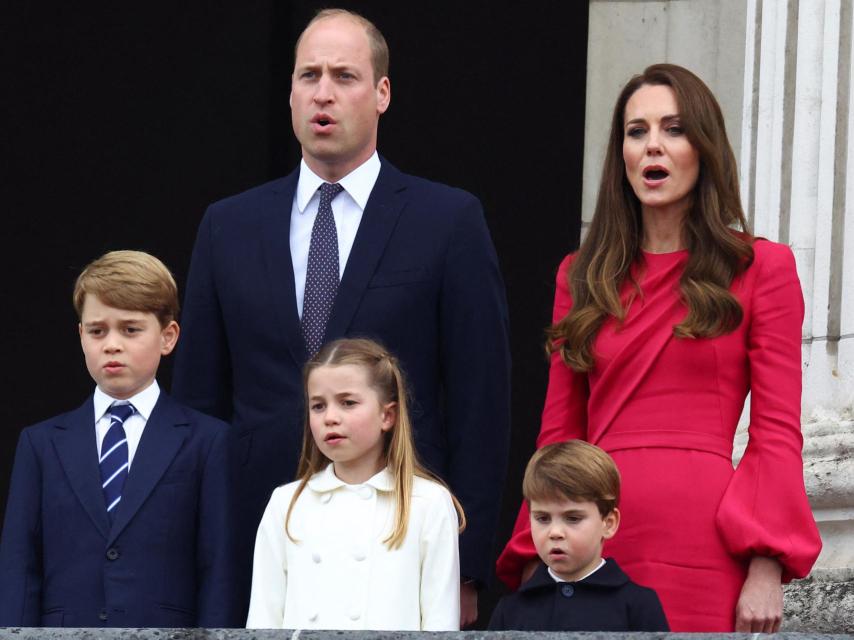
{"points": [[569, 535], [123, 348]]}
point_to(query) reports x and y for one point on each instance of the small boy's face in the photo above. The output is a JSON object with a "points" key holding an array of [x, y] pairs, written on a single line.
{"points": [[569, 535], [123, 348]]}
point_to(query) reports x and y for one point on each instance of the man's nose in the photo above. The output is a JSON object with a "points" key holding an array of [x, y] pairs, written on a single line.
{"points": [[323, 93]]}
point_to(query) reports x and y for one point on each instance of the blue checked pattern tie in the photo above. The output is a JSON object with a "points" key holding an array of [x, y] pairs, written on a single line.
{"points": [[321, 278], [114, 457]]}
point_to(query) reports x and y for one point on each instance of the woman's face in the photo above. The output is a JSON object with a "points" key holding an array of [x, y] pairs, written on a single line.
{"points": [[661, 164]]}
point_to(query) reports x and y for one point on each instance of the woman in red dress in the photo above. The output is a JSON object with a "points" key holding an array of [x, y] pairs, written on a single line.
{"points": [[663, 321]]}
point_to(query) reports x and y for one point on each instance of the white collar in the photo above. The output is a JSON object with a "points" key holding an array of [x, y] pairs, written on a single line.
{"points": [[143, 401], [326, 480], [557, 578], [358, 183]]}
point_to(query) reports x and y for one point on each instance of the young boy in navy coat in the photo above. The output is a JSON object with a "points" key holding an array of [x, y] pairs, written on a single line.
{"points": [[118, 511], [573, 489]]}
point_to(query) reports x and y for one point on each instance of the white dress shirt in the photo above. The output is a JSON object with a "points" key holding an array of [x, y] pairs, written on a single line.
{"points": [[143, 402], [340, 574], [347, 210]]}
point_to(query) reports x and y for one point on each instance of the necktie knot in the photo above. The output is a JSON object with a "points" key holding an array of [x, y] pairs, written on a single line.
{"points": [[328, 191], [122, 412]]}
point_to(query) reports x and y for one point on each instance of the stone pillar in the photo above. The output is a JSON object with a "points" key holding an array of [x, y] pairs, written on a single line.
{"points": [[782, 71], [797, 184]]}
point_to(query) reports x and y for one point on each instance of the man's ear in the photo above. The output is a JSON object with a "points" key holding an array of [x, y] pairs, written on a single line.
{"points": [[610, 524], [383, 95]]}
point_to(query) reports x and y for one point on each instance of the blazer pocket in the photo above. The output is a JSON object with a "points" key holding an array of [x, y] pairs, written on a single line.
{"points": [[397, 278]]}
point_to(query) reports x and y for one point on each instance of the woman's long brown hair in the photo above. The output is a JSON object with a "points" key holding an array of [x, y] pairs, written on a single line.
{"points": [[717, 251]]}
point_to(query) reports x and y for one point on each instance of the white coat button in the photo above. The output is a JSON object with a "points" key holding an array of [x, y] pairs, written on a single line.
{"points": [[316, 557], [313, 616], [358, 556], [326, 497], [355, 615], [366, 493]]}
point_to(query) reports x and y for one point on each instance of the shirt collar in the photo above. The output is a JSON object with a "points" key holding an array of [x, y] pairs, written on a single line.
{"points": [[358, 183], [143, 401], [557, 578], [326, 480]]}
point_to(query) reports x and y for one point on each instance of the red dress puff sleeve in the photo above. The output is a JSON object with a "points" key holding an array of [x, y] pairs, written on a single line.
{"points": [[764, 510]]}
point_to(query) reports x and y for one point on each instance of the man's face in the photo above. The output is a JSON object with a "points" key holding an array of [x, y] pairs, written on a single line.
{"points": [[335, 101]]}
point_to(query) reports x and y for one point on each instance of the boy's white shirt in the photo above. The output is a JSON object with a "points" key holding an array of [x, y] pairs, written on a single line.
{"points": [[557, 578], [343, 574], [143, 402]]}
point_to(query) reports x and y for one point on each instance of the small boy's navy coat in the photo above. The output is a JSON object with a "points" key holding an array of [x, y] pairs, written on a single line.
{"points": [[604, 601], [166, 559]]}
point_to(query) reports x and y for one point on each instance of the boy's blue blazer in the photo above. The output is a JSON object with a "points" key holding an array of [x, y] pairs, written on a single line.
{"points": [[166, 559]]}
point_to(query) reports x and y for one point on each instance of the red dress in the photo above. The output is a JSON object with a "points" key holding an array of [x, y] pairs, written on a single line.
{"points": [[666, 409]]}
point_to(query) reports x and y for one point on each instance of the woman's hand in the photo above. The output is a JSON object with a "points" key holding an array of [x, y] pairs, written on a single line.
{"points": [[760, 605]]}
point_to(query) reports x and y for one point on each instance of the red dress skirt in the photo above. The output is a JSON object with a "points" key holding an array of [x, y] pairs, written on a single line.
{"points": [[666, 409]]}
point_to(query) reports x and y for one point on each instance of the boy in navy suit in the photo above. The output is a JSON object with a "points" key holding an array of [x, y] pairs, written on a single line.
{"points": [[118, 511], [572, 489]]}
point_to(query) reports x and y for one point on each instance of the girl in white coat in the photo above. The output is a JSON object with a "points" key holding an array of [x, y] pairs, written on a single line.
{"points": [[365, 538]]}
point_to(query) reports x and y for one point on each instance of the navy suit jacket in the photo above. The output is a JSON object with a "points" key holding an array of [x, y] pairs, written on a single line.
{"points": [[422, 278], [167, 559]]}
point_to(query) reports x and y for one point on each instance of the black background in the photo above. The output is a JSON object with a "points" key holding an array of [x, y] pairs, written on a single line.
{"points": [[121, 122]]}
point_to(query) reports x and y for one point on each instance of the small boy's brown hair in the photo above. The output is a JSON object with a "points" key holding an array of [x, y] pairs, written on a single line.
{"points": [[576, 470], [130, 280]]}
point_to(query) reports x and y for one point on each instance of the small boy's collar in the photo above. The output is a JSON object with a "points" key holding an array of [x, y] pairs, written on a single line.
{"points": [[609, 575]]}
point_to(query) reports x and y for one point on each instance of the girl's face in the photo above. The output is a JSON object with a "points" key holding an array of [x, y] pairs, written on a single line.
{"points": [[661, 163], [348, 421]]}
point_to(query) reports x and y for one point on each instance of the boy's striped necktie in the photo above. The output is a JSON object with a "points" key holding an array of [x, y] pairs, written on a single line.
{"points": [[114, 457]]}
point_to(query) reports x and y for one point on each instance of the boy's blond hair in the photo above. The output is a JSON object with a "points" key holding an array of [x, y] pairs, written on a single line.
{"points": [[576, 470], [129, 280], [386, 378]]}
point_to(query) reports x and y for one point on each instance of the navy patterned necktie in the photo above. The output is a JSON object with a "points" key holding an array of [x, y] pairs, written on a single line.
{"points": [[114, 457], [321, 278]]}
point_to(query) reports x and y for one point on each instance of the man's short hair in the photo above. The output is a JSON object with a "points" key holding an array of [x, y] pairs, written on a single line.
{"points": [[379, 47], [129, 280], [576, 470]]}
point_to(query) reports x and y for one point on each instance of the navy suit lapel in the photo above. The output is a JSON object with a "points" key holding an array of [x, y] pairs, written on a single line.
{"points": [[378, 221], [77, 449], [276, 229], [164, 433]]}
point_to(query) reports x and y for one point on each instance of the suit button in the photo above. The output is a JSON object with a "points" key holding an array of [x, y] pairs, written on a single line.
{"points": [[355, 615], [316, 557], [102, 616], [113, 554], [366, 493], [566, 590], [358, 556]]}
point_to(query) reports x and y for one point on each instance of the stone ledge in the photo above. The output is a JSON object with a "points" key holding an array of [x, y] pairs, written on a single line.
{"points": [[822, 602], [289, 634]]}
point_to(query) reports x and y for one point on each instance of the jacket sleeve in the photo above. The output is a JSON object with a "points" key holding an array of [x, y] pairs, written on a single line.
{"points": [[764, 511], [496, 621], [646, 613], [475, 370], [564, 418], [215, 549], [202, 374], [21, 571], [269, 569], [440, 566]]}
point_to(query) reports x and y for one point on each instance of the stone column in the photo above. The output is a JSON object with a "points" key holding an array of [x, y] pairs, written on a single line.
{"points": [[782, 71], [797, 184]]}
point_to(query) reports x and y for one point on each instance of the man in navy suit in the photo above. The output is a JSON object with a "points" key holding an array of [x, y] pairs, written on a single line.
{"points": [[417, 270], [118, 511]]}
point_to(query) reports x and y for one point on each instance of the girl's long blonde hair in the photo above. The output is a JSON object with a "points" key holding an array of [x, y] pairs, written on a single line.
{"points": [[386, 378]]}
